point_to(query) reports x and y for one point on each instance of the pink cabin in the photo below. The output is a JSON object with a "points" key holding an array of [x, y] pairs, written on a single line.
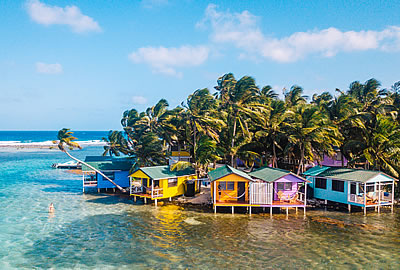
{"points": [[288, 189]]}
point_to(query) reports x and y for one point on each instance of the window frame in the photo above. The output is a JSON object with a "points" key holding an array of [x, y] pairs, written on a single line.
{"points": [[230, 185], [172, 182], [287, 186], [318, 181], [110, 175], [338, 185], [224, 185]]}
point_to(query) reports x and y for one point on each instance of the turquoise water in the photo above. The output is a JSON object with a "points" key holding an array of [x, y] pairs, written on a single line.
{"points": [[41, 136], [91, 231]]}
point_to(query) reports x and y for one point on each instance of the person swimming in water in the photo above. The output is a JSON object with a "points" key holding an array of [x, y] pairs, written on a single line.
{"points": [[51, 208]]}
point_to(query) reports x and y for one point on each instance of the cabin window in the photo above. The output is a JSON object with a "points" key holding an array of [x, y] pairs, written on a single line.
{"points": [[285, 186], [353, 188], [156, 183], [226, 186], [172, 182], [338, 185], [370, 189], [320, 183], [230, 186], [110, 175]]}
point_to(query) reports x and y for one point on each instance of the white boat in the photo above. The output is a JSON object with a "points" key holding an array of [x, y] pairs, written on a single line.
{"points": [[67, 165]]}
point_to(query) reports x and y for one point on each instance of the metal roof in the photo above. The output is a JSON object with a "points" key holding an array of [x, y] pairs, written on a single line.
{"points": [[162, 172], [226, 170], [108, 163], [271, 174], [347, 174]]}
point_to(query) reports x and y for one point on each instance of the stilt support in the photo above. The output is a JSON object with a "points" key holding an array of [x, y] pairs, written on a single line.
{"points": [[349, 207], [365, 211], [233, 210], [134, 198], [215, 209], [114, 190], [270, 211], [296, 210], [98, 190], [250, 210], [145, 200], [155, 202], [170, 198], [287, 211]]}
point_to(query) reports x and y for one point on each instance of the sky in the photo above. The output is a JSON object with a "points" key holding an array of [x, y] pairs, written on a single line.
{"points": [[81, 64]]}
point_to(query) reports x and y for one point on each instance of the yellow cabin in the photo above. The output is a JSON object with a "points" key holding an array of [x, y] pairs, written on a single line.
{"points": [[159, 182], [229, 185]]}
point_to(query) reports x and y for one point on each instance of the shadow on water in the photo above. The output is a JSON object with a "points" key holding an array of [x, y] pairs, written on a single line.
{"points": [[109, 200]]}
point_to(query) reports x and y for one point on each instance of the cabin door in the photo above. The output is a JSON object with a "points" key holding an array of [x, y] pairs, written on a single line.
{"points": [[241, 190]]}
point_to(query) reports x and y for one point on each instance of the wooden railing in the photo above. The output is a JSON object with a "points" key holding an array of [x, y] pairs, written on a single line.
{"points": [[156, 192], [356, 198], [135, 189], [89, 182], [301, 196]]}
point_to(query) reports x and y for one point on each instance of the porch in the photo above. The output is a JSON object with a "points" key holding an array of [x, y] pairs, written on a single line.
{"points": [[89, 179], [146, 192], [375, 194]]}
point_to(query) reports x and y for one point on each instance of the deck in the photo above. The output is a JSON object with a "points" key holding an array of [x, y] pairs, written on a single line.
{"points": [[142, 195], [274, 204]]}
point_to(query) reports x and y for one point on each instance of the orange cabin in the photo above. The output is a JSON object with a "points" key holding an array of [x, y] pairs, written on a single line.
{"points": [[229, 185]]}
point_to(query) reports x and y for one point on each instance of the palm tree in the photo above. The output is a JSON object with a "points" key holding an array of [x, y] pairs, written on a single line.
{"points": [[157, 120], [294, 96], [149, 150], [240, 99], [115, 144], [270, 130], [378, 143], [206, 152], [311, 132], [65, 137]]}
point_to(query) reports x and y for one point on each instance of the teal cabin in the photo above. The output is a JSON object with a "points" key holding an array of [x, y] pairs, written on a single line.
{"points": [[115, 168], [353, 187]]}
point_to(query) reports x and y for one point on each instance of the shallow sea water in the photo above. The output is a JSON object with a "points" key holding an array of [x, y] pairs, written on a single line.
{"points": [[92, 231]]}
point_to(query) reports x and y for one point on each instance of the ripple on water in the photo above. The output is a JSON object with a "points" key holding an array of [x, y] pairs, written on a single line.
{"points": [[91, 231]]}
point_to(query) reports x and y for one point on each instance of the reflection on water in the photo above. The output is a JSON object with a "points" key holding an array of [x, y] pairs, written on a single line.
{"points": [[109, 232]]}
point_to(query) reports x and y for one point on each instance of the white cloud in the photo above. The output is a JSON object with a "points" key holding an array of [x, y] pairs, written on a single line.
{"points": [[139, 100], [70, 15], [166, 60], [48, 68], [153, 3], [242, 30]]}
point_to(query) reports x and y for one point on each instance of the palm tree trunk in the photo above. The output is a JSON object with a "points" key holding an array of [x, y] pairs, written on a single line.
{"points": [[274, 163], [300, 169], [233, 143], [94, 169]]}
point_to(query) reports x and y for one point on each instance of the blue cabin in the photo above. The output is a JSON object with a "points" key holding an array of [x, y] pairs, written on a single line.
{"points": [[115, 168], [355, 187]]}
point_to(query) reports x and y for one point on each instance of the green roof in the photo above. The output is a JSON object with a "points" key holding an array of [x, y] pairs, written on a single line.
{"points": [[269, 174], [347, 174], [315, 170], [162, 172], [108, 163], [226, 170]]}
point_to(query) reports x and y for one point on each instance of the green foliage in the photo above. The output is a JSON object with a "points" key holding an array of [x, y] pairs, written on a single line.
{"points": [[242, 121]]}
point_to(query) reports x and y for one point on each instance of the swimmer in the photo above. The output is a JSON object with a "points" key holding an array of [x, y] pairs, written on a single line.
{"points": [[51, 208]]}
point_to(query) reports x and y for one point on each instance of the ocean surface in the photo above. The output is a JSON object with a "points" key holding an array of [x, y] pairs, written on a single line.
{"points": [[97, 231], [43, 136]]}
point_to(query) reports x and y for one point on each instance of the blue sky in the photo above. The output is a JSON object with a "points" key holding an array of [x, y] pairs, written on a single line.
{"points": [[80, 64]]}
